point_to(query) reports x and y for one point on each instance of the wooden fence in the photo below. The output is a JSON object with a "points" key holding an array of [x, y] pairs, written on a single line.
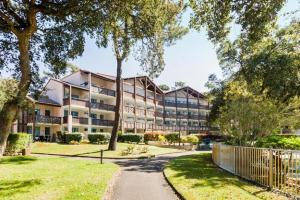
{"points": [[275, 168]]}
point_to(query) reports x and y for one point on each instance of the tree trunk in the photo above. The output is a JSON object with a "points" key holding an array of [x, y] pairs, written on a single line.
{"points": [[114, 134], [10, 109]]}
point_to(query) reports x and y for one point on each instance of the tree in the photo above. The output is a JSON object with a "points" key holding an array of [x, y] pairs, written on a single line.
{"points": [[247, 116], [164, 87], [147, 25], [38, 31], [57, 74], [179, 84], [217, 16], [270, 66]]}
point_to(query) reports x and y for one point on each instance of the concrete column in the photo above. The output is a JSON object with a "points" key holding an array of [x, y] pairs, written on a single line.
{"points": [[70, 123], [90, 97]]}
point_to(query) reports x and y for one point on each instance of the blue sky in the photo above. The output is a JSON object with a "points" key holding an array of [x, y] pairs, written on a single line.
{"points": [[190, 60]]}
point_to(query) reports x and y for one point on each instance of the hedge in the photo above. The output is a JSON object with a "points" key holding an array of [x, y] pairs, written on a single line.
{"points": [[16, 142], [99, 137], [151, 137], [172, 137], [129, 137], [68, 137], [279, 142]]}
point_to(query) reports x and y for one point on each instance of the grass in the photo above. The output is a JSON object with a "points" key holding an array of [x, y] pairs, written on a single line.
{"points": [[94, 150], [53, 178], [196, 177]]}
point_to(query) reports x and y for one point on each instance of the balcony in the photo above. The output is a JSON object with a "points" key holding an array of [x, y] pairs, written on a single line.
{"points": [[103, 106], [171, 115], [170, 104], [76, 120], [159, 114], [102, 122], [129, 109], [104, 91], [150, 113], [140, 111], [77, 102], [45, 119]]}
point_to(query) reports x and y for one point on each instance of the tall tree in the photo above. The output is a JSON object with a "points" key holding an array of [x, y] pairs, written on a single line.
{"points": [[164, 87], [33, 31], [217, 16], [146, 26]]}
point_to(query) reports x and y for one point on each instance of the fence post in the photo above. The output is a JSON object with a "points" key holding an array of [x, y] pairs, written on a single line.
{"points": [[270, 168], [101, 156]]}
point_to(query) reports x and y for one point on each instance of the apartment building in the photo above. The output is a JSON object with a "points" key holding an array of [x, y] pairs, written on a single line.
{"points": [[85, 102]]}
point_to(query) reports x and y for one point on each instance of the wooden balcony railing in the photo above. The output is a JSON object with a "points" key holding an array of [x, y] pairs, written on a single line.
{"points": [[159, 114], [170, 115], [101, 122], [129, 109], [78, 102], [104, 91], [150, 113], [140, 111], [80, 120], [44, 119], [103, 106]]}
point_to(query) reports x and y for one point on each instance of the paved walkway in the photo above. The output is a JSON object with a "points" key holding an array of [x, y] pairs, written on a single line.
{"points": [[143, 179]]}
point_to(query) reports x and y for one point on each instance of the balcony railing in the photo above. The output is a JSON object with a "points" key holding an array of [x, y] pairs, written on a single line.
{"points": [[103, 106], [102, 122], [78, 102], [104, 91], [140, 111], [171, 104], [45, 119], [150, 113], [170, 115], [129, 109], [159, 114]]}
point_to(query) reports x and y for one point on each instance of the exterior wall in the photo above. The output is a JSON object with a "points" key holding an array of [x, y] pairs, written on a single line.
{"points": [[141, 110]]}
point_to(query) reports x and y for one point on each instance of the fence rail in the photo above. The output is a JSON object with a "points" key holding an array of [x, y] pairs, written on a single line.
{"points": [[275, 168]]}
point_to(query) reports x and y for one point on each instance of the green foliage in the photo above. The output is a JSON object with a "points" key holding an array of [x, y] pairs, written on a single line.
{"points": [[99, 138], [16, 142], [279, 142], [172, 137], [164, 87], [216, 16], [192, 139], [162, 138], [150, 137], [128, 151], [134, 138], [68, 137], [8, 90]]}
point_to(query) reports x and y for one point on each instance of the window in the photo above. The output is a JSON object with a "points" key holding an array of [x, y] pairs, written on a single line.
{"points": [[65, 128], [74, 96], [85, 129], [93, 116], [94, 130], [101, 130], [101, 117], [47, 131], [37, 111], [66, 113], [93, 100], [101, 101], [47, 113], [74, 113], [74, 130], [37, 131]]}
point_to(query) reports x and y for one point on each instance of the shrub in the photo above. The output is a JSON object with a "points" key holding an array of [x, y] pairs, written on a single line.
{"points": [[150, 137], [128, 150], [192, 139], [85, 142], [68, 137], [74, 142], [183, 139], [172, 138], [16, 142], [279, 142], [129, 137], [161, 138], [99, 137]]}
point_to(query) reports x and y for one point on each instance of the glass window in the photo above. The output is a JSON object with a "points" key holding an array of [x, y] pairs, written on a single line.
{"points": [[74, 113], [74, 130], [47, 113], [93, 116], [37, 131], [94, 130], [102, 117], [47, 131], [74, 96], [101, 130], [66, 113], [93, 100]]}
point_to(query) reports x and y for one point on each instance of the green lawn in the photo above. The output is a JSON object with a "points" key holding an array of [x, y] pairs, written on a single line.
{"points": [[94, 150], [196, 177], [23, 178]]}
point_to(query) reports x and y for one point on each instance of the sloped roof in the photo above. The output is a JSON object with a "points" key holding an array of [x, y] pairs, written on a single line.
{"points": [[190, 91]]}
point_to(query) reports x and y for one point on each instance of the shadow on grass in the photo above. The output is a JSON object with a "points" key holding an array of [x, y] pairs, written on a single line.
{"points": [[200, 167], [8, 188], [17, 160]]}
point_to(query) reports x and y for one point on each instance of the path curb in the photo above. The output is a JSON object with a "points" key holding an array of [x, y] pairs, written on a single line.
{"points": [[171, 185], [109, 189]]}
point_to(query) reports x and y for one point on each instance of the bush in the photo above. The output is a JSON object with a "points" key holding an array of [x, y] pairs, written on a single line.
{"points": [[150, 137], [16, 142], [192, 139], [172, 138], [161, 138], [99, 137], [279, 142], [129, 137], [68, 137]]}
